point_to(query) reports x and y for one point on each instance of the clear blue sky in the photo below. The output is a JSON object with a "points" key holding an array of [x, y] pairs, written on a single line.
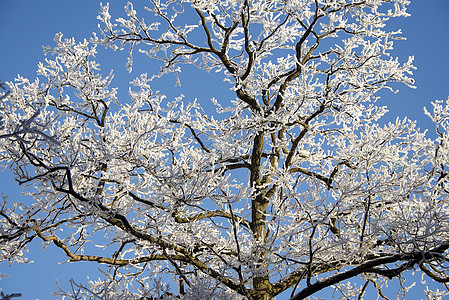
{"points": [[27, 25]]}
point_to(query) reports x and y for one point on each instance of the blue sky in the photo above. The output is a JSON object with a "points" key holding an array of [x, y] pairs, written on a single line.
{"points": [[27, 25]]}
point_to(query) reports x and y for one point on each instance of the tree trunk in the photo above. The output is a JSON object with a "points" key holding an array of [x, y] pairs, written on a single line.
{"points": [[262, 289]]}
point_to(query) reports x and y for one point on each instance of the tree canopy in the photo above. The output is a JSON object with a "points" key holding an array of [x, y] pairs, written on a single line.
{"points": [[293, 186]]}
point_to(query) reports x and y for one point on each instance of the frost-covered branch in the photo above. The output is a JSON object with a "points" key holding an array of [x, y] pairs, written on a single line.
{"points": [[291, 186]]}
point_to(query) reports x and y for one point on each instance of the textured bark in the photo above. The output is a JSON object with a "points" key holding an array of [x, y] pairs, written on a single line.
{"points": [[261, 283]]}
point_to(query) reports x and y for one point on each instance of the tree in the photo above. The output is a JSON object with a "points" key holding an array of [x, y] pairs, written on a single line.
{"points": [[292, 186]]}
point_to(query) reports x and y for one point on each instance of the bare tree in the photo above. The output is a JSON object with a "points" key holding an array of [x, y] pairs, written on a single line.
{"points": [[292, 186]]}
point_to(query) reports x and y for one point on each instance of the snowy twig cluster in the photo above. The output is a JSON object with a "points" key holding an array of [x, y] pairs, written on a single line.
{"points": [[292, 187]]}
